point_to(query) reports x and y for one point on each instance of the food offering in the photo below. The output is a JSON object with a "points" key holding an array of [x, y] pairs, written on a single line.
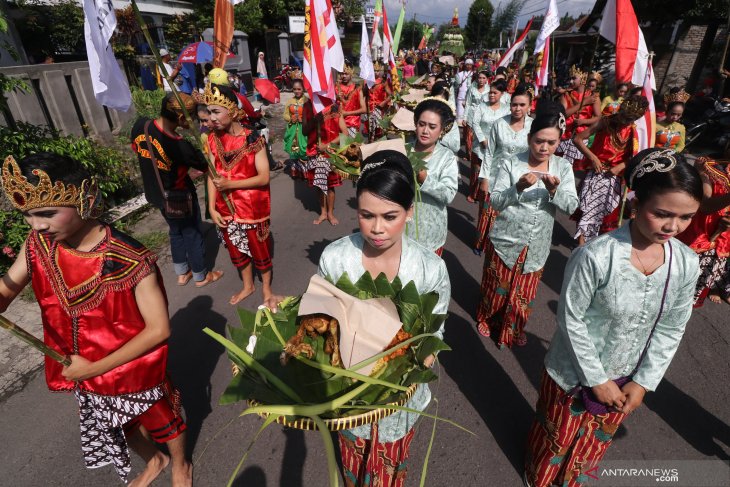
{"points": [[342, 355]]}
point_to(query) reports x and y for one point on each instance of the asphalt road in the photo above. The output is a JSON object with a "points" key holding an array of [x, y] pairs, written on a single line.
{"points": [[488, 391]]}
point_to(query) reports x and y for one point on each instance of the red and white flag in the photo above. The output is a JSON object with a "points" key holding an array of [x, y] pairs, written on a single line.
{"points": [[620, 27], [646, 125], [322, 53], [519, 44], [388, 56], [542, 44]]}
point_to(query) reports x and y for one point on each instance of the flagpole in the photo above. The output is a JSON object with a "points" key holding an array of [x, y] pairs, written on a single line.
{"points": [[173, 87]]}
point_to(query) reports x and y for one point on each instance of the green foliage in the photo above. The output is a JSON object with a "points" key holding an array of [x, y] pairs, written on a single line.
{"points": [[13, 231], [411, 34], [112, 168], [477, 23], [504, 20], [51, 28], [147, 103]]}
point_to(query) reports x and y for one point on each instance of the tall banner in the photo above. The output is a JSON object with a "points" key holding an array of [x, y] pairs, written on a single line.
{"points": [[388, 57], [322, 53], [222, 30], [621, 27], [107, 79], [550, 22], [399, 29], [367, 71], [519, 44]]}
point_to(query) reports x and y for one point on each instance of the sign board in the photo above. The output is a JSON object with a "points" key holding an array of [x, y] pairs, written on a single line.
{"points": [[296, 24]]}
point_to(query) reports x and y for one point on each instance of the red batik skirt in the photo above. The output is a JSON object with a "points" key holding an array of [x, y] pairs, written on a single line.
{"points": [[507, 296], [485, 222], [371, 463], [468, 140], [565, 442]]}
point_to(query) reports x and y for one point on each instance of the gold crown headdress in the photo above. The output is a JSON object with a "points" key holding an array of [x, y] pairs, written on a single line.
{"points": [[26, 196], [596, 76], [577, 72], [377, 65], [681, 96], [296, 73], [213, 96], [633, 108], [659, 160], [347, 69]]}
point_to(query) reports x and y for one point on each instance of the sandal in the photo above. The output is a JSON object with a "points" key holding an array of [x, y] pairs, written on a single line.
{"points": [[183, 279], [212, 276], [521, 340]]}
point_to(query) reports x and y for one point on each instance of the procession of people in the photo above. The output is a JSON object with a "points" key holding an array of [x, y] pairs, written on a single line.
{"points": [[651, 242]]}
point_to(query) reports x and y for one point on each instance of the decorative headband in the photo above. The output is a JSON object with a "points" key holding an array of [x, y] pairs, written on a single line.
{"points": [[681, 96], [577, 72], [213, 96], [438, 99], [662, 160], [561, 123], [596, 76], [632, 108], [370, 166], [25, 196], [347, 69]]}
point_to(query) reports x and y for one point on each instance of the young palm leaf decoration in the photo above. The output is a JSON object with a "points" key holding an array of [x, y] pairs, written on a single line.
{"points": [[305, 393]]}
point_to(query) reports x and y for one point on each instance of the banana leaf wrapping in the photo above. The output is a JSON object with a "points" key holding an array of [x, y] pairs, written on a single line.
{"points": [[314, 385], [345, 157]]}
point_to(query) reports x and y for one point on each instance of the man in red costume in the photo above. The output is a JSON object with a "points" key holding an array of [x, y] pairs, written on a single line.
{"points": [[103, 306], [351, 100], [243, 178], [378, 100]]}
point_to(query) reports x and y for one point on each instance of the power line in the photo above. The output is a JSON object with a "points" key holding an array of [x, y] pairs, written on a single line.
{"points": [[542, 9]]}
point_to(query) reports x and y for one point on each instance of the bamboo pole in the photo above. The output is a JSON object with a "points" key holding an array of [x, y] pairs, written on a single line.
{"points": [[34, 342], [192, 123]]}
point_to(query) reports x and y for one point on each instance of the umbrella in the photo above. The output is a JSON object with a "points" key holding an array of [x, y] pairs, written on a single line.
{"points": [[267, 90], [197, 52]]}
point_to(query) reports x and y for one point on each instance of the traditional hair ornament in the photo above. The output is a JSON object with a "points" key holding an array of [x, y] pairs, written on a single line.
{"points": [[561, 123], [213, 96], [25, 196], [447, 128], [347, 69], [681, 96], [577, 72], [661, 160], [596, 76], [377, 66], [370, 166]]}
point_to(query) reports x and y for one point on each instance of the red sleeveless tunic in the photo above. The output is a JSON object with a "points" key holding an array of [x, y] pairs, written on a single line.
{"points": [[349, 97], [88, 309], [235, 159], [329, 129], [574, 98]]}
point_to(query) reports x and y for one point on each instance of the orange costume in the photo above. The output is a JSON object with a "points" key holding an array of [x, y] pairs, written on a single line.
{"points": [[320, 173]]}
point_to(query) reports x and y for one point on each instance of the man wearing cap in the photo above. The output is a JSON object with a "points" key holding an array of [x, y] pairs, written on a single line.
{"points": [[161, 81], [462, 81]]}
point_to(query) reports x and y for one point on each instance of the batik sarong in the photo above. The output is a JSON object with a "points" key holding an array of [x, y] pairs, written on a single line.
{"points": [[565, 441], [714, 277], [370, 463], [600, 195], [506, 298]]}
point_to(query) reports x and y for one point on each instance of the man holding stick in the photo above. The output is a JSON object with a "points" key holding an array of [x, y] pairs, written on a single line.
{"points": [[104, 311]]}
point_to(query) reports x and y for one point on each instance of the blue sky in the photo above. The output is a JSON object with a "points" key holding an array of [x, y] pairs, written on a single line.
{"points": [[439, 11]]}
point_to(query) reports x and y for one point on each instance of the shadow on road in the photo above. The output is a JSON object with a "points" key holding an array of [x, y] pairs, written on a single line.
{"points": [[464, 288], [212, 244], [309, 197], [490, 390], [554, 270], [531, 358], [461, 225], [315, 249], [192, 359], [251, 477], [705, 432]]}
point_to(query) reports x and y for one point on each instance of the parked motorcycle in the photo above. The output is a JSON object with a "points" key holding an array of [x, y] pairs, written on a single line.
{"points": [[284, 80], [710, 128]]}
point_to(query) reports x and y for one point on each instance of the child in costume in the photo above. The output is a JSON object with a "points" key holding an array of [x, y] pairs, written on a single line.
{"points": [[295, 143], [351, 100], [582, 109], [670, 134], [243, 177], [103, 306]]}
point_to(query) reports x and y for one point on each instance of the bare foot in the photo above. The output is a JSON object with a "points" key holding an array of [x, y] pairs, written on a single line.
{"points": [[246, 292], [470, 199], [333, 221], [154, 467], [182, 475], [715, 298], [320, 219]]}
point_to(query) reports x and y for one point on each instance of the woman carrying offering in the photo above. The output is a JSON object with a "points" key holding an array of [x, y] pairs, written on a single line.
{"points": [[439, 181], [243, 177], [295, 143], [626, 299], [507, 137], [529, 189], [613, 146]]}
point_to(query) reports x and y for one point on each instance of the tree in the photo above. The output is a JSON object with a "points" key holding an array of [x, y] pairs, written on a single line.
{"points": [[504, 21], [411, 34], [52, 29], [477, 23]]}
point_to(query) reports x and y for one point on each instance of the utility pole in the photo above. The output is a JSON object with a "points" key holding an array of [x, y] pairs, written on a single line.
{"points": [[480, 14], [413, 32]]}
